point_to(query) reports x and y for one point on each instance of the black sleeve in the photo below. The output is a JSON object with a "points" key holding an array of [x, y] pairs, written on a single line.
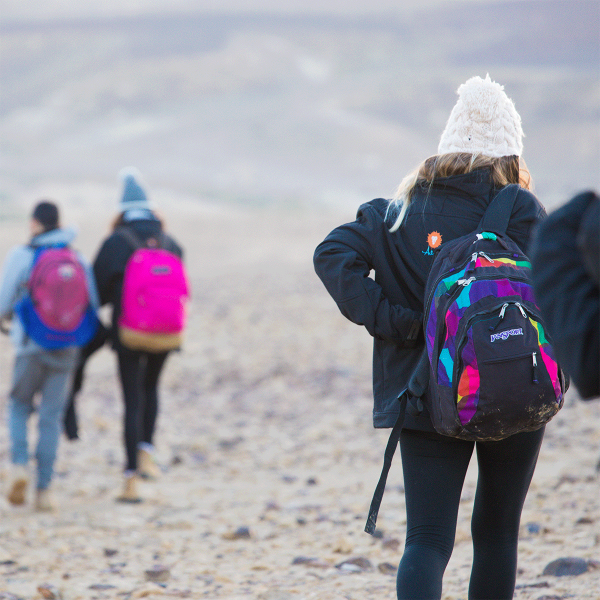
{"points": [[343, 262], [174, 247], [109, 266], [588, 238], [527, 214], [566, 294]]}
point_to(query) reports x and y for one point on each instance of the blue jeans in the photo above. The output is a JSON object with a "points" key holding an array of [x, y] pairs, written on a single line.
{"points": [[48, 372]]}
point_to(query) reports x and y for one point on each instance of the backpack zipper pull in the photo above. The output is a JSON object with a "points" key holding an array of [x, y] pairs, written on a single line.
{"points": [[533, 356], [472, 263], [518, 305], [500, 317], [486, 257], [466, 282]]}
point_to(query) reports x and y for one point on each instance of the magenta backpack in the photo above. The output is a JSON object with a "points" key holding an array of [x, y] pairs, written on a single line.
{"points": [[154, 297], [56, 311]]}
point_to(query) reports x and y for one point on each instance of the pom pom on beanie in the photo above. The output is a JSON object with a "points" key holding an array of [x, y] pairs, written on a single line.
{"points": [[483, 121], [134, 197]]}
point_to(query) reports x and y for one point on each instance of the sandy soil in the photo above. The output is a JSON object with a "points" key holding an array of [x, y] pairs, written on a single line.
{"points": [[265, 441]]}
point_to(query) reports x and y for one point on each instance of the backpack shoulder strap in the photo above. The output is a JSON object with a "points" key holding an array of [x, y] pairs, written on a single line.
{"points": [[131, 237], [136, 241], [410, 400], [390, 450], [499, 210]]}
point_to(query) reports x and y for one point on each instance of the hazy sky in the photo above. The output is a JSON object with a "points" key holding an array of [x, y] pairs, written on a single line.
{"points": [[44, 9]]}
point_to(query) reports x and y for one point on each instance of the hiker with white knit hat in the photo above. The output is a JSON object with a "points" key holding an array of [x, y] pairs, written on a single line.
{"points": [[375, 268], [136, 226]]}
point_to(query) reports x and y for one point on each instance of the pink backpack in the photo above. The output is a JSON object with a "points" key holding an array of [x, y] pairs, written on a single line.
{"points": [[154, 298], [56, 311]]}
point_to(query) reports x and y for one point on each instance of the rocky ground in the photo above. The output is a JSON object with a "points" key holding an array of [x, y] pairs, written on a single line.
{"points": [[267, 451]]}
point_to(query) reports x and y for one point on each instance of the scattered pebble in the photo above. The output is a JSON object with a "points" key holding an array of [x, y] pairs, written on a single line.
{"points": [[311, 562], [566, 566], [387, 568], [158, 573], [230, 444], [355, 565], [241, 533], [391, 544], [533, 527], [49, 592]]}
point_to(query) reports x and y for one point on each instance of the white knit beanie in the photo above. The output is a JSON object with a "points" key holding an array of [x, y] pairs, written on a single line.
{"points": [[483, 121]]}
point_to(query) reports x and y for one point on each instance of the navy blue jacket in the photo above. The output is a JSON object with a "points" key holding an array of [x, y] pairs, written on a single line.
{"points": [[566, 279], [390, 304]]}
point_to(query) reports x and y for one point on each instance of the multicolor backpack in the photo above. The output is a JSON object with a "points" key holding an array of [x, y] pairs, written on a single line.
{"points": [[56, 311], [154, 297], [493, 372], [488, 369]]}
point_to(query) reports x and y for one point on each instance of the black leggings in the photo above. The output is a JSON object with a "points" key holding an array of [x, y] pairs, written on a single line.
{"points": [[139, 373], [434, 469]]}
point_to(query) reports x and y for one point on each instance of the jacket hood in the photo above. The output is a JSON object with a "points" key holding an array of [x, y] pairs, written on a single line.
{"points": [[54, 237], [476, 183]]}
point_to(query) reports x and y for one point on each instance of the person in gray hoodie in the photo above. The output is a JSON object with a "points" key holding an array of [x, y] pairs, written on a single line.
{"points": [[36, 369]]}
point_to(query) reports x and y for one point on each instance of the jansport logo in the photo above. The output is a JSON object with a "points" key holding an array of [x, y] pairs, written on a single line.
{"points": [[504, 335]]}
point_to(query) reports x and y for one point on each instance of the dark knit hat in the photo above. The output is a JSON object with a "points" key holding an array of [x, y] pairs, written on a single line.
{"points": [[134, 196], [46, 214]]}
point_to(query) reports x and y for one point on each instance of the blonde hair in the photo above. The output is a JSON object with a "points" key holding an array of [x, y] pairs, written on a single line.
{"points": [[503, 170]]}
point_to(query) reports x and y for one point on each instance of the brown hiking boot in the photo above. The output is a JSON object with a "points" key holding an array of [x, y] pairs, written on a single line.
{"points": [[44, 501], [147, 467], [18, 485], [130, 491]]}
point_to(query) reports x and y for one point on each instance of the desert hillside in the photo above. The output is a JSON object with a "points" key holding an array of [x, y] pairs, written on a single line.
{"points": [[265, 103]]}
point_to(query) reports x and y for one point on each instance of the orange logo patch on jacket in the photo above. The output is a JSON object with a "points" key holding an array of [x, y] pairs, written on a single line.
{"points": [[434, 239]]}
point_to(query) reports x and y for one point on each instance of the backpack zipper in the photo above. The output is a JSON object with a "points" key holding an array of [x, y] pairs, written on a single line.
{"points": [[503, 310], [464, 265], [444, 275], [458, 287], [472, 319]]}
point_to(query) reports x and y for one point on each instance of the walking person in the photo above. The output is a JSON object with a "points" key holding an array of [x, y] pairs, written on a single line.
{"points": [[45, 359], [566, 276], [444, 198], [136, 226]]}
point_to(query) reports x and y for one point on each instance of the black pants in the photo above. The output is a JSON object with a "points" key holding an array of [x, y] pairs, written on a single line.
{"points": [[139, 373], [434, 471]]}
